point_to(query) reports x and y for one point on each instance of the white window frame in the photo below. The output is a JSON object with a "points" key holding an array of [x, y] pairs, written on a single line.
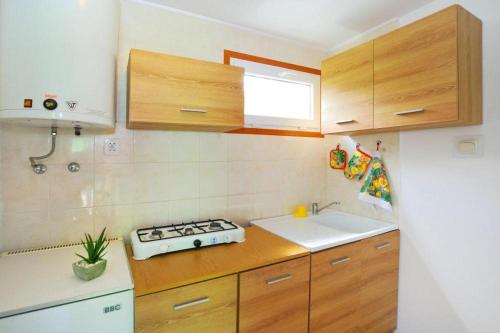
{"points": [[256, 68]]}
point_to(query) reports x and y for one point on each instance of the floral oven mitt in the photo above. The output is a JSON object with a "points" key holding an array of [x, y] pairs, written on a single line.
{"points": [[338, 158], [358, 164]]}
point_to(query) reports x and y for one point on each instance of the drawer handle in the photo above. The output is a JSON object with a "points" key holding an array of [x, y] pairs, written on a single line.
{"points": [[347, 121], [383, 245], [194, 110], [340, 261], [280, 278], [191, 303], [403, 113]]}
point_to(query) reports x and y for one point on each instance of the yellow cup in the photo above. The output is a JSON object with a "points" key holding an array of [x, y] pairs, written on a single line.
{"points": [[300, 211]]}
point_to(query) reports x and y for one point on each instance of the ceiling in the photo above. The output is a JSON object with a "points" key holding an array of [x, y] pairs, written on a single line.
{"points": [[320, 23]]}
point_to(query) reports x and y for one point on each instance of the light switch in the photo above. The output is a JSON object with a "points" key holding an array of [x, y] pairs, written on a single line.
{"points": [[467, 147], [470, 146]]}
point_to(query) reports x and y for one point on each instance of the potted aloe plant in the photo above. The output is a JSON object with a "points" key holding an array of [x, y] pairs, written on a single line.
{"points": [[93, 264]]}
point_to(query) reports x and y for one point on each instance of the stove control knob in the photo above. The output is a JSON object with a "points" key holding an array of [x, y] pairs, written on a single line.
{"points": [[197, 243], [164, 248]]}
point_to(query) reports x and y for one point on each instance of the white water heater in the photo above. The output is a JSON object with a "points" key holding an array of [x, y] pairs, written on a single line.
{"points": [[58, 62]]}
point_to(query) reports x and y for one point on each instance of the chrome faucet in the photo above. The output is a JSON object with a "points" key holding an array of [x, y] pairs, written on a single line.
{"points": [[315, 209]]}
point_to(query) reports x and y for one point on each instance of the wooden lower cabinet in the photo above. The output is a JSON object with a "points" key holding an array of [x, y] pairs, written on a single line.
{"points": [[207, 307], [354, 287], [335, 289], [275, 298], [379, 292]]}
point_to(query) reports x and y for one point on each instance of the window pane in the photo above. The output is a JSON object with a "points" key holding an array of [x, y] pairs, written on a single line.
{"points": [[271, 97]]}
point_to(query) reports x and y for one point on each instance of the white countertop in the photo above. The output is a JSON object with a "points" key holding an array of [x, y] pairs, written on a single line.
{"points": [[329, 229], [45, 278]]}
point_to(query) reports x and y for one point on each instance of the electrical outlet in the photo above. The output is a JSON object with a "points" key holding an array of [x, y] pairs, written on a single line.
{"points": [[112, 146]]}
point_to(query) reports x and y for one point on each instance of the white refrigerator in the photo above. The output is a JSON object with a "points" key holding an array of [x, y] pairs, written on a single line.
{"points": [[39, 293]]}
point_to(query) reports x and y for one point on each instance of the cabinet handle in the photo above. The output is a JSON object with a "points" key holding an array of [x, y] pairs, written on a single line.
{"points": [[403, 113], [191, 303], [347, 121], [383, 245], [340, 261], [280, 278], [194, 110]]}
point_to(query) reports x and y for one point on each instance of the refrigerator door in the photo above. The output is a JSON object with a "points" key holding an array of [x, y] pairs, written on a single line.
{"points": [[110, 313]]}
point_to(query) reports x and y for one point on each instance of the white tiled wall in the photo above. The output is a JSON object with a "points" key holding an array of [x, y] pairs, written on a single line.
{"points": [[162, 176], [1, 201], [159, 177], [346, 191]]}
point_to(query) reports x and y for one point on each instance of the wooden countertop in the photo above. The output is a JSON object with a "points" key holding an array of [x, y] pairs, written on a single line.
{"points": [[261, 248]]}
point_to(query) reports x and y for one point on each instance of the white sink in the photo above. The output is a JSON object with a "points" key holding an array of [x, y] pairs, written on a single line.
{"points": [[328, 229], [347, 223]]}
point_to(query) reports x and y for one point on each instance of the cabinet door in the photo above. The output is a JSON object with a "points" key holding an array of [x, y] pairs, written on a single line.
{"points": [[208, 307], [335, 289], [170, 92], [379, 293], [275, 298], [347, 90], [415, 76]]}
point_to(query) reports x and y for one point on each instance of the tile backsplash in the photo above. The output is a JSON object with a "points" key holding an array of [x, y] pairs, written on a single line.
{"points": [[162, 176], [158, 177], [346, 191]]}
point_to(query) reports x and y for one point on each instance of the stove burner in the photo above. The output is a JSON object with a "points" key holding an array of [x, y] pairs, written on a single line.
{"points": [[214, 226], [188, 231], [157, 232]]}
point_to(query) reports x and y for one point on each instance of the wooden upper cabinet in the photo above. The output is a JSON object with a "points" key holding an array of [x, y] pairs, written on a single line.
{"points": [[275, 299], [379, 278], [171, 92], [428, 73], [207, 307], [347, 90]]}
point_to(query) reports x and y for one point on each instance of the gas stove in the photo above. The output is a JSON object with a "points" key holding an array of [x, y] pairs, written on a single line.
{"points": [[147, 242]]}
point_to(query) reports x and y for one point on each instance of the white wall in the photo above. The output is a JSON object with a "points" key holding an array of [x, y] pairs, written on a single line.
{"points": [[450, 211], [160, 176], [1, 201], [154, 28]]}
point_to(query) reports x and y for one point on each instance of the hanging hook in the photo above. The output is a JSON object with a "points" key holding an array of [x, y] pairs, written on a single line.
{"points": [[338, 146], [358, 145], [379, 142]]}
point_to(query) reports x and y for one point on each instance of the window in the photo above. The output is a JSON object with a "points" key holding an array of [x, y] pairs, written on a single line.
{"points": [[271, 97], [279, 96]]}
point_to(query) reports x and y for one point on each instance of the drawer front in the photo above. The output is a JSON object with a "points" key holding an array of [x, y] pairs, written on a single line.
{"points": [[379, 294], [180, 93], [208, 307], [347, 90], [335, 289], [275, 298], [415, 75]]}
